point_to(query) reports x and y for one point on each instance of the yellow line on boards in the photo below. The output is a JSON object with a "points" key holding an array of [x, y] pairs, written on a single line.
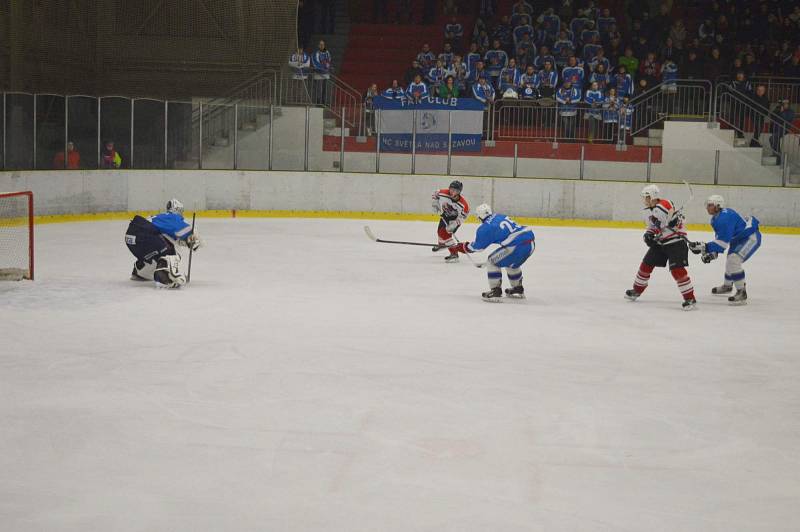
{"points": [[356, 215]]}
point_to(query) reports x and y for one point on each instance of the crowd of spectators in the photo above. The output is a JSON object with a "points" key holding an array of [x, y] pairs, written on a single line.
{"points": [[574, 52]]}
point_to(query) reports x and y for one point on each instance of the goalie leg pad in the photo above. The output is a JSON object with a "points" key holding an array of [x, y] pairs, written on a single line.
{"points": [[167, 273], [143, 271]]}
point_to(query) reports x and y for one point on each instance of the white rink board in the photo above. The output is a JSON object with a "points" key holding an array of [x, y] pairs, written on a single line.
{"points": [[310, 379]]}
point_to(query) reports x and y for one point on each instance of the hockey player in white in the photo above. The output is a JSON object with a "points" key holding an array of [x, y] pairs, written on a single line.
{"points": [[516, 242], [740, 236], [152, 241], [666, 242], [453, 209]]}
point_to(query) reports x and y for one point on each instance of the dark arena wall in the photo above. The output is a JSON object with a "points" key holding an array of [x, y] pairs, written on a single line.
{"points": [[144, 48]]}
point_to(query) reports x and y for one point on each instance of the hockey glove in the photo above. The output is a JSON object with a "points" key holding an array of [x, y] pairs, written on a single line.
{"points": [[650, 239], [193, 242], [708, 257], [697, 247], [675, 221], [452, 226]]}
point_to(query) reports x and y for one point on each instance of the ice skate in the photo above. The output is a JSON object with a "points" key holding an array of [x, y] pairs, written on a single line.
{"points": [[451, 258], [739, 298], [632, 295], [689, 304], [516, 292], [723, 289], [494, 295]]}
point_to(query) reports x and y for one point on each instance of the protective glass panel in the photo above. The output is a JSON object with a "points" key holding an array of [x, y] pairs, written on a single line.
{"points": [[19, 131], [288, 139], [148, 134], [183, 135], [219, 137], [115, 132], [252, 144], [50, 135], [82, 128]]}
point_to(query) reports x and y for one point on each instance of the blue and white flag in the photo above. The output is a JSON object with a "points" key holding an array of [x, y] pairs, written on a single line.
{"points": [[397, 123]]}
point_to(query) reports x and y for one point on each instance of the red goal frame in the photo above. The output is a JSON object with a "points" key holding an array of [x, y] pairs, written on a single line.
{"points": [[29, 194]]}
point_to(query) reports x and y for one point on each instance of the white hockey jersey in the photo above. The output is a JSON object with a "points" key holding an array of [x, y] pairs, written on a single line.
{"points": [[450, 209], [664, 222]]}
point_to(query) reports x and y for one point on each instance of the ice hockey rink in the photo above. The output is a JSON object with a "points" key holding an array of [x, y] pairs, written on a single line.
{"points": [[311, 379]]}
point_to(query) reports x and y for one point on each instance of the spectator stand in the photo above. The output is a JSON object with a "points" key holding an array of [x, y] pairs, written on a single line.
{"points": [[776, 140]]}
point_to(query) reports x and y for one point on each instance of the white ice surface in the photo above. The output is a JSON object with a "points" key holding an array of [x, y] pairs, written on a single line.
{"points": [[310, 379]]}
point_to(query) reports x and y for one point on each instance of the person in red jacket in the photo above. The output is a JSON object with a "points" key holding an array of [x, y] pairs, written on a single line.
{"points": [[73, 160]]}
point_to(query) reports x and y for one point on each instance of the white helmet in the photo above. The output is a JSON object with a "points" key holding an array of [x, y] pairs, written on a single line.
{"points": [[483, 211], [651, 191], [716, 199], [175, 206]]}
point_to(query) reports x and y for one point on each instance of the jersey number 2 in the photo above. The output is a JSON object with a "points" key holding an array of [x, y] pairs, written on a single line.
{"points": [[509, 225]]}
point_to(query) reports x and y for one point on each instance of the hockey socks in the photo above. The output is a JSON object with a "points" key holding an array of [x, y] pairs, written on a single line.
{"points": [[642, 278], [681, 277]]}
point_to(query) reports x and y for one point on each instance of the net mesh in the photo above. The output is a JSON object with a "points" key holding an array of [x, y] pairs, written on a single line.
{"points": [[145, 48], [15, 258]]}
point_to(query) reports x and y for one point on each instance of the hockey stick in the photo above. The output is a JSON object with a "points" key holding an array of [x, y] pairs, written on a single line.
{"points": [[191, 249], [476, 264], [374, 238]]}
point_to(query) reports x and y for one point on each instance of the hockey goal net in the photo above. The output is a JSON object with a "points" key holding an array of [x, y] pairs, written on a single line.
{"points": [[16, 236]]}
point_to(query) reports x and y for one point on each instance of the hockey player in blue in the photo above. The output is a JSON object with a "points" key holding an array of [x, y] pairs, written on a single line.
{"points": [[740, 236], [516, 242], [152, 241]]}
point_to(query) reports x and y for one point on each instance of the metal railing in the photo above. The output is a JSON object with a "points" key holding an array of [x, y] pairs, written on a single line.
{"points": [[535, 120], [682, 99], [768, 130], [778, 87]]}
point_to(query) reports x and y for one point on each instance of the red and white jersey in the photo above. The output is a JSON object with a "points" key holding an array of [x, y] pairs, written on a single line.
{"points": [[450, 209], [659, 218]]}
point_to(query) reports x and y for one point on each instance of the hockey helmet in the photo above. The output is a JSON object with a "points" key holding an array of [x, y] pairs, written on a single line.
{"points": [[716, 199], [457, 185], [175, 206], [483, 211], [651, 191]]}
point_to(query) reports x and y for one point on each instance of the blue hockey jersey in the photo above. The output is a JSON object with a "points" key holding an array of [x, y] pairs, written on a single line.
{"points": [[502, 230], [574, 75], [567, 99], [172, 224], [730, 229]]}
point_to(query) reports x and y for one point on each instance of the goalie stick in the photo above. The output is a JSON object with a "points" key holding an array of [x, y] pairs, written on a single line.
{"points": [[374, 238], [191, 249]]}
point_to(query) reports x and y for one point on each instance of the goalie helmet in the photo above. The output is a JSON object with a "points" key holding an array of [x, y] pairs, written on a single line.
{"points": [[651, 191], [483, 211], [717, 200], [175, 206]]}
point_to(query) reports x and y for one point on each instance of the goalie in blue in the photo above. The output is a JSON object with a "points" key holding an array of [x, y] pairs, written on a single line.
{"points": [[516, 242], [740, 236], [153, 240]]}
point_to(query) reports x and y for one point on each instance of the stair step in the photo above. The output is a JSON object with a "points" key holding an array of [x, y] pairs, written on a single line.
{"points": [[769, 161], [336, 131], [741, 143], [655, 133], [647, 141], [329, 123]]}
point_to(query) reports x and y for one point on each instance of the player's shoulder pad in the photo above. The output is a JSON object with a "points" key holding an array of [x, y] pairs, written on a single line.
{"points": [[665, 204]]}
